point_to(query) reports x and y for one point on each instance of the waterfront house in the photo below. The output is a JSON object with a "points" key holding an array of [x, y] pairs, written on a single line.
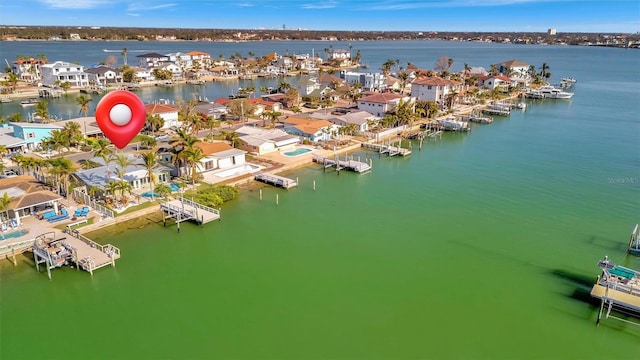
{"points": [[260, 141], [513, 68], [62, 72], [28, 196], [176, 71], [182, 60], [311, 129], [200, 57], [142, 74], [360, 118], [496, 81], [219, 155], [103, 75], [434, 89], [216, 111], [135, 174], [263, 105], [167, 112], [151, 60], [28, 69], [368, 81], [33, 133], [380, 104]]}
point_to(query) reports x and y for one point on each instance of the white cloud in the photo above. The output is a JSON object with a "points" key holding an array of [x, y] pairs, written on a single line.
{"points": [[75, 4], [143, 6], [408, 4], [133, 14], [320, 5]]}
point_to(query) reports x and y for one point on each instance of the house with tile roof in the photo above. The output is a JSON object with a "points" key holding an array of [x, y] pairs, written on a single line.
{"points": [[167, 112], [311, 129], [219, 155], [28, 196], [28, 69], [379, 104], [434, 89], [516, 67], [360, 118], [259, 141]]}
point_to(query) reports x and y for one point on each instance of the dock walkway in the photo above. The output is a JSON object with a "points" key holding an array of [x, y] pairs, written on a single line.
{"points": [[387, 149], [351, 165], [182, 209], [55, 251], [275, 180]]}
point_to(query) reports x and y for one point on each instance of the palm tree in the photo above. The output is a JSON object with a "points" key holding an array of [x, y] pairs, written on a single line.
{"points": [[150, 159], [5, 201], [61, 168], [544, 72], [124, 56], [83, 100], [387, 67], [125, 188], [154, 123], [192, 157], [72, 133], [42, 111], [102, 149], [403, 76], [123, 161]]}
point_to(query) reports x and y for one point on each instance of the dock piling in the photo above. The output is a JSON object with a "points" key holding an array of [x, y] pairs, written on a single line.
{"points": [[260, 194], [314, 185], [277, 199]]}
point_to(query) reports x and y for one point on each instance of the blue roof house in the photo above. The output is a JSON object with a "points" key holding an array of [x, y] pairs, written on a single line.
{"points": [[33, 133]]}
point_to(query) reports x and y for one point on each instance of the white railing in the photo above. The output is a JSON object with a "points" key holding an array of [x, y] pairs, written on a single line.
{"points": [[199, 206]]}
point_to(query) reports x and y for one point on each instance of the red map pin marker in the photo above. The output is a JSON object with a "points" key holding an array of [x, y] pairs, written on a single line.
{"points": [[121, 115]]}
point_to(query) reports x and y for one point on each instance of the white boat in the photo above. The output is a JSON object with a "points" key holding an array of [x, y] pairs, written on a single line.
{"points": [[550, 92], [29, 102], [521, 105], [534, 94], [569, 80], [451, 124]]}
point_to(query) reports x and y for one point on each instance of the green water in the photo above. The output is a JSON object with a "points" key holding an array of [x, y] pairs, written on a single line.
{"points": [[481, 245]]}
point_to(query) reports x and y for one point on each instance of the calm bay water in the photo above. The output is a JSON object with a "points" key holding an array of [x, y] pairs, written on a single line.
{"points": [[481, 245]]}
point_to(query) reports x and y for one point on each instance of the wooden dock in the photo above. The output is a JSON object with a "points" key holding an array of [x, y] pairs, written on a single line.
{"points": [[55, 251], [387, 149], [350, 165], [497, 111], [618, 288], [182, 210], [275, 180]]}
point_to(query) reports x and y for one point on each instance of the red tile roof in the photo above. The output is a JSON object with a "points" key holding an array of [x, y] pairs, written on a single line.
{"points": [[435, 81], [381, 98], [159, 108], [214, 147]]}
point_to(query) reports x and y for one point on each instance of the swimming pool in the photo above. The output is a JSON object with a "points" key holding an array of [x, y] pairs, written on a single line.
{"points": [[297, 152], [14, 234], [147, 194]]}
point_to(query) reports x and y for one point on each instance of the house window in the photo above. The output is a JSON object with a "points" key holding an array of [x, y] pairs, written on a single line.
{"points": [[31, 135], [429, 87]]}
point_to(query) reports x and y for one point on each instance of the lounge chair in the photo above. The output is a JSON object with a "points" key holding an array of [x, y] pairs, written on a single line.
{"points": [[85, 211], [78, 212], [49, 214]]}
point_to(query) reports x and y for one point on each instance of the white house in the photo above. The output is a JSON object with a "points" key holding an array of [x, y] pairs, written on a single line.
{"points": [[143, 74], [103, 75], [28, 69], [306, 85], [175, 70], [368, 81], [380, 104], [492, 82], [167, 112], [64, 72], [182, 60], [219, 155], [151, 60], [513, 68], [434, 88], [261, 141]]}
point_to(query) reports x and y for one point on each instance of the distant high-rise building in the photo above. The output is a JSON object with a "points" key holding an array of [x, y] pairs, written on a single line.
{"points": [[284, 27], [551, 31]]}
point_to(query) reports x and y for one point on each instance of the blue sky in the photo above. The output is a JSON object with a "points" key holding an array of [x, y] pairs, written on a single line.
{"points": [[388, 15]]}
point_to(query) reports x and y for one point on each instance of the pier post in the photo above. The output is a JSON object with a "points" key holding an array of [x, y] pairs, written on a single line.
{"points": [[314, 185], [297, 181], [35, 257], [13, 252], [178, 220], [75, 252], [260, 194], [46, 262], [277, 199]]}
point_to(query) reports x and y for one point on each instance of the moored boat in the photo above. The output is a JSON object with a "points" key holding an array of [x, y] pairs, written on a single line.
{"points": [[550, 92], [29, 102]]}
